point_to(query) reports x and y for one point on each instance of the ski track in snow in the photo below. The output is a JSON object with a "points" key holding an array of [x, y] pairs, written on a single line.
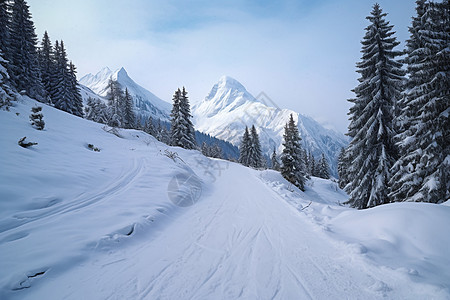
{"points": [[250, 245], [249, 236]]}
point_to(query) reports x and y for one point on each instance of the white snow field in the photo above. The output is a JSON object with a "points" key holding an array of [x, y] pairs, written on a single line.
{"points": [[129, 222]]}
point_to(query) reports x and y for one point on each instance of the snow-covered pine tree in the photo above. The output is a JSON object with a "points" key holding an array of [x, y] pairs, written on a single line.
{"points": [[274, 160], [182, 130], [62, 94], [423, 171], [6, 93], [149, 127], [205, 149], [75, 93], [293, 166], [96, 111], [36, 118], [5, 18], [46, 65], [255, 158], [342, 167], [129, 119], [176, 132], [324, 168], [312, 164], [244, 148], [22, 53], [115, 98], [372, 150], [188, 138]]}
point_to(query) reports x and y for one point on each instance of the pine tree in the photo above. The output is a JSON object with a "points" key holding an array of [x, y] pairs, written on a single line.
{"points": [[293, 168], [22, 53], [423, 171], [6, 93], [372, 150], [115, 100], [47, 66], [36, 118], [244, 148], [255, 158], [324, 168], [5, 18], [76, 100], [205, 149], [182, 130], [62, 94], [342, 167], [275, 162], [128, 113], [96, 111], [149, 127]]}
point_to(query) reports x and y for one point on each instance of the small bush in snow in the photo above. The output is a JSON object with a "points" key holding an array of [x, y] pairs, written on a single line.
{"points": [[36, 118]]}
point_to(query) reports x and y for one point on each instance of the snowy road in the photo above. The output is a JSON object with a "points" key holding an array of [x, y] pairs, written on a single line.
{"points": [[78, 224], [240, 241]]}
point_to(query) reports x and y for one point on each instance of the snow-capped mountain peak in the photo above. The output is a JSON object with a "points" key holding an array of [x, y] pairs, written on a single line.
{"points": [[229, 108], [146, 103]]}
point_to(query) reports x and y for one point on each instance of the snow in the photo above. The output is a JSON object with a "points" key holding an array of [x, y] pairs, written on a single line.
{"points": [[80, 224], [145, 102]]}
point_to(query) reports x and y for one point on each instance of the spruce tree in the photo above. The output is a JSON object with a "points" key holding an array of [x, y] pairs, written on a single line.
{"points": [[47, 66], [188, 138], [61, 95], [255, 158], [149, 127], [293, 168], [372, 150], [128, 114], [244, 148], [342, 167], [76, 100], [5, 18], [6, 93], [275, 162], [22, 52], [182, 130], [36, 118], [423, 171], [115, 100], [324, 168], [176, 132]]}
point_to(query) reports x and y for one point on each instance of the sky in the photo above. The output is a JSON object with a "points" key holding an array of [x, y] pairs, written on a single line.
{"points": [[301, 54]]}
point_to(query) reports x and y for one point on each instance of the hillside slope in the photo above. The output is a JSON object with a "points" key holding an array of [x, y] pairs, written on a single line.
{"points": [[129, 222]]}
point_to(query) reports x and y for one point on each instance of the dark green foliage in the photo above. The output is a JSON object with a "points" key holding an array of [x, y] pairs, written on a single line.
{"points": [[22, 54], [36, 118], [293, 168], [182, 131], [423, 171], [372, 151]]}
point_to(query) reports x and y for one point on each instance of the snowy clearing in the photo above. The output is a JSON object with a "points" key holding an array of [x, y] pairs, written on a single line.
{"points": [[82, 224]]}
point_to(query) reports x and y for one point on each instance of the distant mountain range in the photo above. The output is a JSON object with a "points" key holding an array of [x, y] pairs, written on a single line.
{"points": [[229, 107], [145, 102], [225, 112]]}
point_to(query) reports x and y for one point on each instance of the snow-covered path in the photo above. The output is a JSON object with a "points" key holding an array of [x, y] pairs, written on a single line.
{"points": [[239, 241], [78, 224]]}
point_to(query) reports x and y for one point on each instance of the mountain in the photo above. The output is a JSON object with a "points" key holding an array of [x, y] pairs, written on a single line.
{"points": [[146, 103], [229, 107]]}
